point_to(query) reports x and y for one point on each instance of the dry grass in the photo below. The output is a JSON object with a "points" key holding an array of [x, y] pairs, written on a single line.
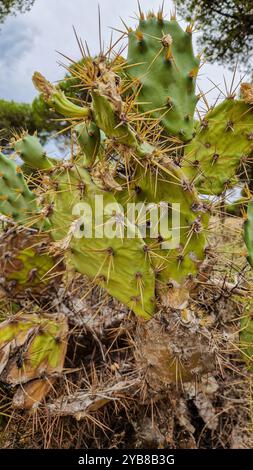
{"points": [[106, 399]]}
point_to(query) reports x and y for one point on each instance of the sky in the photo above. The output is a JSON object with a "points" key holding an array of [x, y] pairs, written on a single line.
{"points": [[29, 42]]}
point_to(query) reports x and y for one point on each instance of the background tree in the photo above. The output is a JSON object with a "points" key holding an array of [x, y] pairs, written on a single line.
{"points": [[227, 27], [31, 117], [37, 116], [11, 7]]}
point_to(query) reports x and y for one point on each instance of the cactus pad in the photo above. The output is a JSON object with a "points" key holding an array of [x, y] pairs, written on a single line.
{"points": [[32, 153], [16, 200], [223, 141], [163, 66], [248, 233], [31, 346], [118, 264], [246, 341], [88, 136], [26, 267]]}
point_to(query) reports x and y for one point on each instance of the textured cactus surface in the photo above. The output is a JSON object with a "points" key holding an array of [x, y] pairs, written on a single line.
{"points": [[246, 341], [16, 200], [248, 233], [56, 98], [32, 345], [223, 141], [26, 267], [118, 264], [164, 184], [164, 68], [32, 152], [88, 136]]}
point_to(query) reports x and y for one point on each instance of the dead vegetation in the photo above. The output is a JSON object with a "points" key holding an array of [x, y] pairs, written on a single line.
{"points": [[115, 390]]}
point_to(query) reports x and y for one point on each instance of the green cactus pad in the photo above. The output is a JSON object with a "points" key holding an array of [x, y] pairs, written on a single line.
{"points": [[16, 200], [163, 65], [32, 345], [119, 265], [88, 136], [248, 233], [27, 269], [57, 99], [108, 120], [32, 153], [223, 140], [246, 341], [174, 267]]}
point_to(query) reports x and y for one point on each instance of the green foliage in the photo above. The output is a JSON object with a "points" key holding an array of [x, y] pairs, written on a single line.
{"points": [[37, 116], [14, 116], [32, 117], [227, 28], [44, 119], [11, 7]]}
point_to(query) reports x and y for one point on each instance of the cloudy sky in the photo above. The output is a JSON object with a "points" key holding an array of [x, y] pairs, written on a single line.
{"points": [[29, 42]]}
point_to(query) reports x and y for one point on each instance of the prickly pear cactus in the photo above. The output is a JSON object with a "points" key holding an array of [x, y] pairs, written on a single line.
{"points": [[222, 144], [17, 202], [246, 341], [32, 152], [137, 142], [163, 68], [135, 139], [88, 136], [32, 346], [26, 267], [40, 345], [248, 232]]}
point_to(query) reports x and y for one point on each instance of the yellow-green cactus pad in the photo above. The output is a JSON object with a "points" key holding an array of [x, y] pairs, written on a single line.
{"points": [[26, 266], [32, 346], [246, 341], [118, 264], [248, 233]]}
